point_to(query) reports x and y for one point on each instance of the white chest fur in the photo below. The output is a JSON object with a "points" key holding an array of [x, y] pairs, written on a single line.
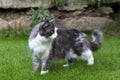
{"points": [[40, 45]]}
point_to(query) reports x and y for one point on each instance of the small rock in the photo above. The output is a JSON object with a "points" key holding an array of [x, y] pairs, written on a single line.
{"points": [[83, 23], [3, 23], [23, 21], [72, 7], [106, 10]]}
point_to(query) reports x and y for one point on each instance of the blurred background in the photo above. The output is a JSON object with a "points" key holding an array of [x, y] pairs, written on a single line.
{"points": [[18, 17]]}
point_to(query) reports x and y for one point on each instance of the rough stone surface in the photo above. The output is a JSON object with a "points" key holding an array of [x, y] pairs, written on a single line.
{"points": [[100, 12], [3, 23], [45, 3], [106, 10], [80, 23], [72, 4], [84, 23], [72, 15], [23, 21], [72, 7], [23, 3]]}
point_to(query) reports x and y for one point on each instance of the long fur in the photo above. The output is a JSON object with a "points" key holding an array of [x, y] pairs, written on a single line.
{"points": [[71, 43], [48, 42], [96, 43], [40, 41]]}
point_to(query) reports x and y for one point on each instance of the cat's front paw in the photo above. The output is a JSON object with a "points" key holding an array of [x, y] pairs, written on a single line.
{"points": [[44, 72], [90, 62], [65, 65]]}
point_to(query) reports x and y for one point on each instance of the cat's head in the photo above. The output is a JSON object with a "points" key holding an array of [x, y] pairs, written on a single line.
{"points": [[47, 28]]}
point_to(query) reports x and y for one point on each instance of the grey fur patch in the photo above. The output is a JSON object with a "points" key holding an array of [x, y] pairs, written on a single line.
{"points": [[35, 31]]}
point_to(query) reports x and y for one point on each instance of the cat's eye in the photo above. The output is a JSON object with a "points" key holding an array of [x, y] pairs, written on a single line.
{"points": [[52, 31]]}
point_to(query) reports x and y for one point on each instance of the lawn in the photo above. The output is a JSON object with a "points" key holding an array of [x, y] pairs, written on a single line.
{"points": [[15, 63]]}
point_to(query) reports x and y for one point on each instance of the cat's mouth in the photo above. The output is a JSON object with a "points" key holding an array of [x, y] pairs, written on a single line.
{"points": [[48, 35]]}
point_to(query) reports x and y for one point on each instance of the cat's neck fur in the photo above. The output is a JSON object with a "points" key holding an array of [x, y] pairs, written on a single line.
{"points": [[41, 44], [55, 33]]}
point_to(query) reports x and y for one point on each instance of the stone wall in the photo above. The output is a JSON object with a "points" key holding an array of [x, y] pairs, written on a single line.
{"points": [[19, 4], [23, 3], [73, 14], [45, 3]]}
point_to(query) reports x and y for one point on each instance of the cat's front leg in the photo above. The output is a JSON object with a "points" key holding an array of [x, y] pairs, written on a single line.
{"points": [[44, 68], [66, 65], [45, 65], [35, 62]]}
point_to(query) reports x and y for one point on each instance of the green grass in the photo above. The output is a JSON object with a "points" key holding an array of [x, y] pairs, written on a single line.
{"points": [[15, 63], [113, 29], [14, 33]]}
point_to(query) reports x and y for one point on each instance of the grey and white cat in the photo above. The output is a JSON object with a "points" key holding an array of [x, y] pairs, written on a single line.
{"points": [[48, 42], [40, 41]]}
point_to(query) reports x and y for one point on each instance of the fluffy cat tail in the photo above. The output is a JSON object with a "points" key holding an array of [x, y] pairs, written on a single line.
{"points": [[96, 43]]}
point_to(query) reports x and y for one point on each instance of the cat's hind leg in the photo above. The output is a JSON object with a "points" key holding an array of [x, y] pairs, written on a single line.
{"points": [[70, 62], [87, 55], [70, 58]]}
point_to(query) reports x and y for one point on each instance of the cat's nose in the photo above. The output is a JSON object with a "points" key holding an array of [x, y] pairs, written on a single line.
{"points": [[52, 31], [80, 44]]}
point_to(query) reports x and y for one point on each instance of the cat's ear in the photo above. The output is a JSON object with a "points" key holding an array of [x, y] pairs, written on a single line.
{"points": [[42, 26], [84, 35], [46, 24], [52, 21]]}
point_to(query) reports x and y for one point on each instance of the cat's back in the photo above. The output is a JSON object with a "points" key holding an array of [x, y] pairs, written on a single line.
{"points": [[67, 35]]}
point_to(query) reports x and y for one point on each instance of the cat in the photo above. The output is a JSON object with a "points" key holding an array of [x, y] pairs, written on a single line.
{"points": [[71, 43], [48, 42], [40, 41]]}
